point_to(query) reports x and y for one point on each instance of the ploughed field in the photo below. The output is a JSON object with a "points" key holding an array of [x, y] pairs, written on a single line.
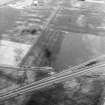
{"points": [[73, 36]]}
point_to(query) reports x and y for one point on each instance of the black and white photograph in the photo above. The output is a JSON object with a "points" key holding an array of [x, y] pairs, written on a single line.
{"points": [[52, 52]]}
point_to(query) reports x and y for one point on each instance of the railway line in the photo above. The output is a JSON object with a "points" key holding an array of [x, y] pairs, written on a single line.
{"points": [[94, 65], [3, 68], [54, 79]]}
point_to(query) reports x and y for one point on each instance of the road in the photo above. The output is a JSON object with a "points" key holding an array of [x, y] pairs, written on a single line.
{"points": [[67, 19], [31, 52]]}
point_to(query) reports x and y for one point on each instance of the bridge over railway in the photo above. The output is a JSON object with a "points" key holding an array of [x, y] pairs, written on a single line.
{"points": [[96, 65], [32, 56]]}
